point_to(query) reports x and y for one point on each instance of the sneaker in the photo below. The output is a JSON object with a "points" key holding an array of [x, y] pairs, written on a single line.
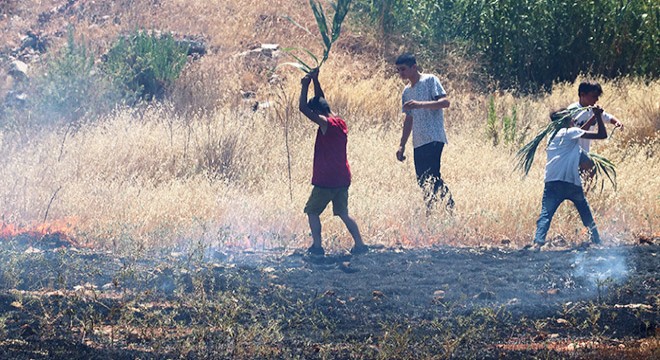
{"points": [[583, 246], [316, 250], [595, 237], [533, 247], [360, 249]]}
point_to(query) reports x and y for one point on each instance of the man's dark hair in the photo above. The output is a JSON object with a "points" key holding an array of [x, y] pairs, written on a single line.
{"points": [[589, 86], [407, 59], [319, 104]]}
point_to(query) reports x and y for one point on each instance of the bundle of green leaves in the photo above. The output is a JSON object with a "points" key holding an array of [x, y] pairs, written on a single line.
{"points": [[604, 168], [328, 35]]}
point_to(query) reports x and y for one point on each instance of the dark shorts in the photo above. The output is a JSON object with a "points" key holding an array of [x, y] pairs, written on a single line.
{"points": [[321, 197]]}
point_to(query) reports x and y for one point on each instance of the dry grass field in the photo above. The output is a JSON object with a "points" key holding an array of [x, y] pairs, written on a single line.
{"points": [[204, 168], [204, 174], [221, 177]]}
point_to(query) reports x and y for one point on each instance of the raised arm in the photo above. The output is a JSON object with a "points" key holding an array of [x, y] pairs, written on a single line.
{"points": [[320, 120], [613, 120], [314, 74], [601, 132]]}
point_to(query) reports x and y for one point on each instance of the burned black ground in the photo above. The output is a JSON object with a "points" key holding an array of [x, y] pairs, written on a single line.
{"points": [[73, 303]]}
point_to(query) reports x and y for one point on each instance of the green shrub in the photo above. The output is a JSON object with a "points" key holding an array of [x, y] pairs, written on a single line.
{"points": [[531, 43], [144, 64], [507, 132], [71, 87], [491, 123], [510, 126]]}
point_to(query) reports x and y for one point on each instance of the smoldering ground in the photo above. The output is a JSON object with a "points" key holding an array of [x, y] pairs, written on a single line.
{"points": [[390, 303]]}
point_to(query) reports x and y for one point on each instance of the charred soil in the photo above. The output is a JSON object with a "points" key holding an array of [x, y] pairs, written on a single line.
{"points": [[70, 303]]}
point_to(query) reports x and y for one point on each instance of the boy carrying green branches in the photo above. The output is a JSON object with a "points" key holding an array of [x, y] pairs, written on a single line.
{"points": [[331, 173], [562, 175], [588, 94]]}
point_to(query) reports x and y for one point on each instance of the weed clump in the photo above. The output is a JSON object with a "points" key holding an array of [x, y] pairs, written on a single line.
{"points": [[143, 65]]}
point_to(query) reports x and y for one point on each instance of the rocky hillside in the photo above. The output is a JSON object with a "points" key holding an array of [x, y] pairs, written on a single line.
{"points": [[239, 41]]}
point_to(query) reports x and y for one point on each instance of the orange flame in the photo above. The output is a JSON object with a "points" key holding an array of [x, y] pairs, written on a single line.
{"points": [[56, 229]]}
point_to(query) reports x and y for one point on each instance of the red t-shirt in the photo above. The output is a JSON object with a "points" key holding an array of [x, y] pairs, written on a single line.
{"points": [[331, 168]]}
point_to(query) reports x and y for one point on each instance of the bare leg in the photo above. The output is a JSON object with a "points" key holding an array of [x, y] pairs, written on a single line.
{"points": [[315, 227], [352, 227]]}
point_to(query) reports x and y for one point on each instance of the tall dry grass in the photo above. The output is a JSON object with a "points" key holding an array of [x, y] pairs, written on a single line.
{"points": [[216, 174], [220, 178]]}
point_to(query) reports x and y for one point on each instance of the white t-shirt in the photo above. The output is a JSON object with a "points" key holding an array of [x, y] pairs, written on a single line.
{"points": [[564, 156], [428, 125], [582, 117]]}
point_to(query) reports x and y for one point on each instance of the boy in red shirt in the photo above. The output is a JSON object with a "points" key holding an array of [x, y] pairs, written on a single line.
{"points": [[331, 174]]}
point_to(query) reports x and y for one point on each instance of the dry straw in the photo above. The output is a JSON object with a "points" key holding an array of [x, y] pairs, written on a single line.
{"points": [[216, 174]]}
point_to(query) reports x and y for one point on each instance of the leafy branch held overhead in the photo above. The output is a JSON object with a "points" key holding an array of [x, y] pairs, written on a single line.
{"points": [[329, 36]]}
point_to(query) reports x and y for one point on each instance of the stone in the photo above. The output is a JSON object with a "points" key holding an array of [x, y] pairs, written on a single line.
{"points": [[18, 70]]}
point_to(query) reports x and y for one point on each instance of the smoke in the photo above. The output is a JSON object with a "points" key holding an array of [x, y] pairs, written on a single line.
{"points": [[599, 268]]}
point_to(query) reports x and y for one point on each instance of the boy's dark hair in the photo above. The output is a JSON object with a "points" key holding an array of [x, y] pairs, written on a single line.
{"points": [[319, 104], [561, 114], [407, 59], [589, 86]]}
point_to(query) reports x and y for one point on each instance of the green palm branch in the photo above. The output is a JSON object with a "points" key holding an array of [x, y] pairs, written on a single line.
{"points": [[328, 35], [604, 169], [525, 156]]}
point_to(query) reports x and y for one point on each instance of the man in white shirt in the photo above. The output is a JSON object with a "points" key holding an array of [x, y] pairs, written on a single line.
{"points": [[588, 93], [562, 176], [423, 101]]}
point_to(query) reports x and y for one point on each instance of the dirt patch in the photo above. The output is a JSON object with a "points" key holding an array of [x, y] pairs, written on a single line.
{"points": [[390, 303]]}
